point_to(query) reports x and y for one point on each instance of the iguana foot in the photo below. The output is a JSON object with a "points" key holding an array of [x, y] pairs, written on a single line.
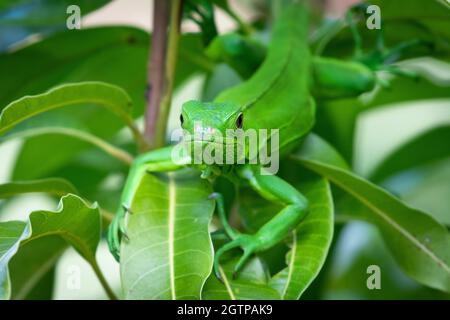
{"points": [[248, 243], [117, 231]]}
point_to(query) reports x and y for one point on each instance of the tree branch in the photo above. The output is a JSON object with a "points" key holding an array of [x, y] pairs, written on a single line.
{"points": [[162, 69]]}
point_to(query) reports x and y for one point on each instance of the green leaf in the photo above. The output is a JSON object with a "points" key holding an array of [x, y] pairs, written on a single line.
{"points": [[221, 78], [101, 144], [251, 283], [403, 89], [336, 122], [53, 186], [347, 276], [169, 253], [310, 243], [33, 264], [10, 232], [111, 97], [418, 243], [428, 146], [74, 223], [403, 20], [22, 18], [429, 193]]}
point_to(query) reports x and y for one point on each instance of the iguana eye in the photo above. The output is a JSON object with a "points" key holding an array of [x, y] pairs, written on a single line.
{"points": [[240, 121], [181, 119]]}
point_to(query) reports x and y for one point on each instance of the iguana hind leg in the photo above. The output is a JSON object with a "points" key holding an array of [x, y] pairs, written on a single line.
{"points": [[275, 189]]}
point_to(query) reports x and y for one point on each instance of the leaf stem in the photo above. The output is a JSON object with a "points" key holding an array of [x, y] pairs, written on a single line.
{"points": [[103, 145], [138, 136], [102, 279], [106, 215], [245, 27]]}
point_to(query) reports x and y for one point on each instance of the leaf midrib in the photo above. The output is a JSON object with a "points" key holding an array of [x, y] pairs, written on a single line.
{"points": [[226, 282], [380, 213], [291, 263], [171, 221]]}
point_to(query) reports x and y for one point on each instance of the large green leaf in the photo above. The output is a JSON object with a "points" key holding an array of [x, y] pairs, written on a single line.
{"points": [[108, 96], [251, 283], [33, 266], [111, 97], [419, 243], [359, 246], [428, 146], [30, 249], [53, 186], [169, 253], [10, 232], [310, 243]]}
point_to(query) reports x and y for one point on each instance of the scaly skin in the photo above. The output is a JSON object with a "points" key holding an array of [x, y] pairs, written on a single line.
{"points": [[277, 96]]}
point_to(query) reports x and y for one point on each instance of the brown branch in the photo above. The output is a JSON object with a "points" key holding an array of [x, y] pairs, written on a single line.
{"points": [[162, 69], [156, 67]]}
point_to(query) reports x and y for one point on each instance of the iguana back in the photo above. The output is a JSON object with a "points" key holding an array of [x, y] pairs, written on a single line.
{"points": [[277, 95]]}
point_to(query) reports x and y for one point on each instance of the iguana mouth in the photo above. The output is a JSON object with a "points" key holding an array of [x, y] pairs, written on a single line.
{"points": [[213, 140]]}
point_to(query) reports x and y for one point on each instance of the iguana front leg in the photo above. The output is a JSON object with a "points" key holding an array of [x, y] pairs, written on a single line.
{"points": [[159, 160], [274, 189]]}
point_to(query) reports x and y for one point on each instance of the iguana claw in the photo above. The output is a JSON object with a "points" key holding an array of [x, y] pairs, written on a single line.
{"points": [[116, 231], [248, 243]]}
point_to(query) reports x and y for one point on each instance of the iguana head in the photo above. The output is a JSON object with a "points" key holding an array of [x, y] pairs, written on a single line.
{"points": [[207, 126]]}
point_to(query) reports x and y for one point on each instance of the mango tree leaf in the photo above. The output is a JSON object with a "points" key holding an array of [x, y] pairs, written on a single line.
{"points": [[169, 253], [111, 97], [336, 122], [22, 18], [418, 243], [310, 243], [74, 223], [10, 232], [221, 78], [251, 283], [403, 89], [33, 264], [430, 193], [54, 186], [347, 276], [428, 146]]}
